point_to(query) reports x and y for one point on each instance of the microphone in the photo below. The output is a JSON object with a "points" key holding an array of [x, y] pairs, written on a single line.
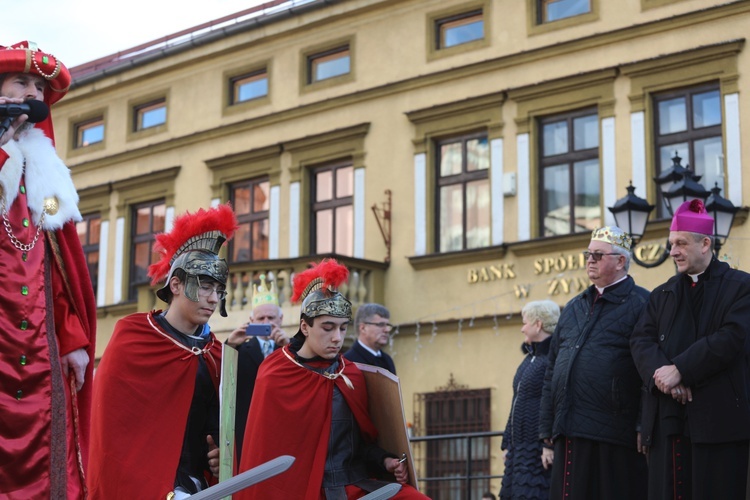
{"points": [[36, 110]]}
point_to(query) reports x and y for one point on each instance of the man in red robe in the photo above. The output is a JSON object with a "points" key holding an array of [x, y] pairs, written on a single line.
{"points": [[311, 403], [47, 305], [156, 403]]}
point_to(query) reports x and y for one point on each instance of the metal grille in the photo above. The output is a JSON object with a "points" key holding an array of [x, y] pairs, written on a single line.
{"points": [[448, 465]]}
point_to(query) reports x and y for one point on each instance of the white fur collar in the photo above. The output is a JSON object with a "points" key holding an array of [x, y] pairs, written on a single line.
{"points": [[46, 176]]}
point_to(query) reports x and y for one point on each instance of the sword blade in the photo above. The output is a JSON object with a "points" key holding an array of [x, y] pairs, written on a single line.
{"points": [[246, 479], [382, 493]]}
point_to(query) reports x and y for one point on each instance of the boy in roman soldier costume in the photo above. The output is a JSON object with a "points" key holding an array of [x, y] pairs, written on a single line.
{"points": [[47, 305], [311, 403], [156, 404]]}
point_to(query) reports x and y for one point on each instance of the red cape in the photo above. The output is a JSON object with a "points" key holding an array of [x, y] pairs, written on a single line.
{"points": [[71, 263], [144, 387], [290, 414]]}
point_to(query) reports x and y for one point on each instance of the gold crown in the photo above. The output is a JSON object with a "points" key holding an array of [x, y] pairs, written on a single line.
{"points": [[263, 294], [613, 235]]}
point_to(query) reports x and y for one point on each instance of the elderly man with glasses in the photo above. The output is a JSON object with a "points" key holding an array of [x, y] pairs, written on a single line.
{"points": [[373, 333], [591, 392]]}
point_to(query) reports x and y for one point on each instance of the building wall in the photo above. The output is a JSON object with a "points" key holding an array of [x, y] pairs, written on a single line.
{"points": [[457, 313]]}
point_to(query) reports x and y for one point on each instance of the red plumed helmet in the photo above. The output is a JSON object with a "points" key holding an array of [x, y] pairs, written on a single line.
{"points": [[328, 274], [204, 230]]}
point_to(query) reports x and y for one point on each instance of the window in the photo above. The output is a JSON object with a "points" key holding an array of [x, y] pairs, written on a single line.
{"points": [[454, 410], [459, 29], [463, 193], [332, 210], [248, 87], [688, 122], [329, 64], [150, 114], [569, 167], [89, 132], [554, 10], [250, 201], [148, 219], [89, 230]]}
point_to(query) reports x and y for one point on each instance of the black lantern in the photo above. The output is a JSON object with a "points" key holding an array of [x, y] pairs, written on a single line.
{"points": [[671, 175], [631, 214], [677, 184], [723, 211]]}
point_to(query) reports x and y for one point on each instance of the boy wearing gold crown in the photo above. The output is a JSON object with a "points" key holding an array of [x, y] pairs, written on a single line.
{"points": [[690, 348], [591, 392], [156, 404], [311, 403], [252, 350], [47, 304]]}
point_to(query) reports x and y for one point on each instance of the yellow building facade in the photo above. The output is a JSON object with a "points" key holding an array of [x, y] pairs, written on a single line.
{"points": [[455, 154]]}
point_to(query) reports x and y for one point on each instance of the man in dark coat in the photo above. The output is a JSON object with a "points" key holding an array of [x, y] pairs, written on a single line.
{"points": [[591, 390], [690, 349], [373, 333], [252, 350]]}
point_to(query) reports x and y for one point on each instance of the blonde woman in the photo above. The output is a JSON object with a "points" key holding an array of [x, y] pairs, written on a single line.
{"points": [[526, 474]]}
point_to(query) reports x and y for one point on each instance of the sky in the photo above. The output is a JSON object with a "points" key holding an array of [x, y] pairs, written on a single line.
{"points": [[79, 31]]}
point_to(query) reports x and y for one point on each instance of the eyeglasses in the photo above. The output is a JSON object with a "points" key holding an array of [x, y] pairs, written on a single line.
{"points": [[597, 256], [387, 326], [208, 290]]}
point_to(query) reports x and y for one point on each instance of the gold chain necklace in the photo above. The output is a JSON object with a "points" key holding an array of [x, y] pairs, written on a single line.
{"points": [[24, 247]]}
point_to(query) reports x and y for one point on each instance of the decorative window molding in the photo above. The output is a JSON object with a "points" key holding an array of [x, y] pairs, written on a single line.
{"points": [[683, 69], [342, 145], [475, 115], [537, 26], [310, 54], [143, 188], [652, 4], [590, 90], [675, 71], [131, 192], [242, 166], [76, 125], [138, 105], [95, 199], [436, 19], [229, 79]]}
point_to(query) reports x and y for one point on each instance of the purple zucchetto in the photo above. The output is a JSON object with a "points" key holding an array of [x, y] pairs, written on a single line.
{"points": [[693, 218]]}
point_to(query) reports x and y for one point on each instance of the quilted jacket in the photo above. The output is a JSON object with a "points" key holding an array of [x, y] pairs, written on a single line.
{"points": [[591, 386]]}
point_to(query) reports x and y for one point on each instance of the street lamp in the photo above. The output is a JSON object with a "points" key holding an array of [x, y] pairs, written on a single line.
{"points": [[677, 185], [631, 214], [723, 211]]}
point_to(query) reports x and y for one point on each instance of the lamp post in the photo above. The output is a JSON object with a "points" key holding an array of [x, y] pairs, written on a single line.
{"points": [[677, 185]]}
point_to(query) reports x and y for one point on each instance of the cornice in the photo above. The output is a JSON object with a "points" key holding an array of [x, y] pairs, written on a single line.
{"points": [[677, 22], [168, 174], [254, 155], [463, 107], [431, 261]]}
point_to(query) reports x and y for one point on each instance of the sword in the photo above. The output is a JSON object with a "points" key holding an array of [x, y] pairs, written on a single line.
{"points": [[248, 478], [381, 493]]}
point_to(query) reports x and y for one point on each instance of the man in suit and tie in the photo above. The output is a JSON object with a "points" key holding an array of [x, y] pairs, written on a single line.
{"points": [[373, 333], [253, 349]]}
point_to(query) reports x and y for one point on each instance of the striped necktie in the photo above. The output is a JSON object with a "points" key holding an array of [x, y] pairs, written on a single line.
{"points": [[267, 348]]}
